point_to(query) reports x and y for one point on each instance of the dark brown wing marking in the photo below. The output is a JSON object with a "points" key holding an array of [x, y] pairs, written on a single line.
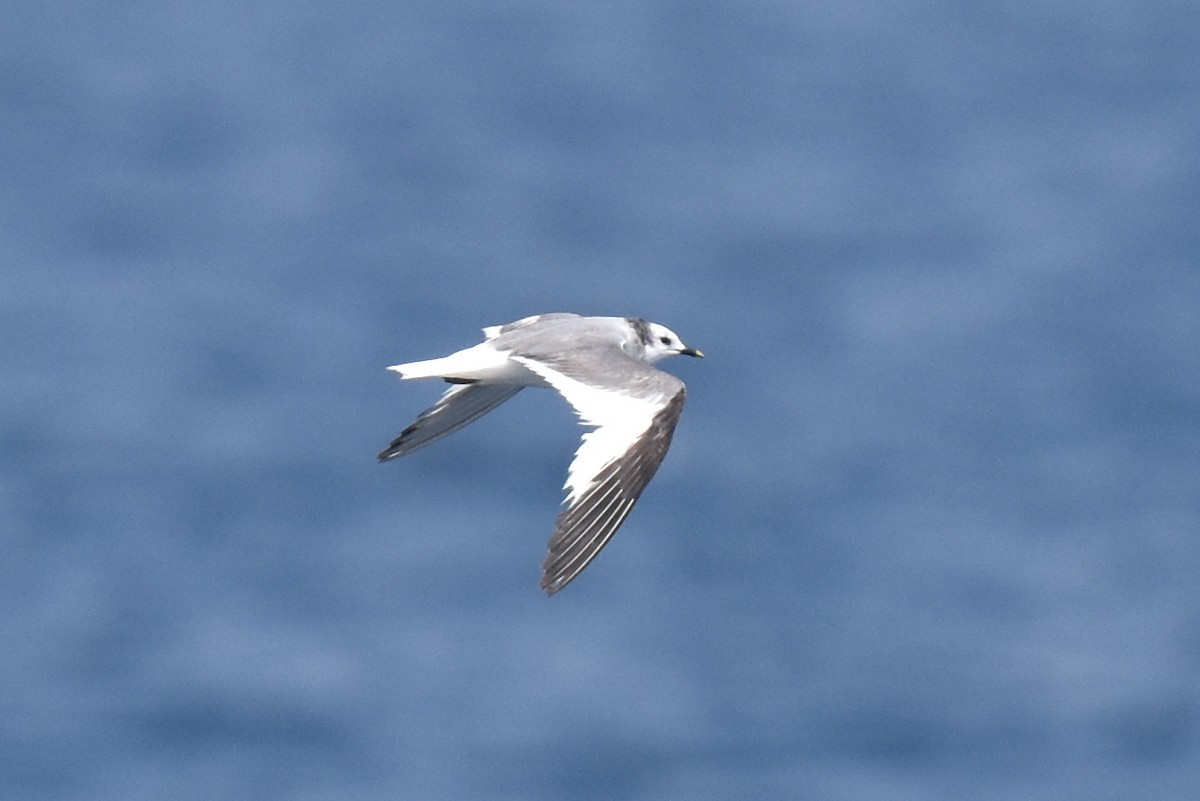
{"points": [[586, 526]]}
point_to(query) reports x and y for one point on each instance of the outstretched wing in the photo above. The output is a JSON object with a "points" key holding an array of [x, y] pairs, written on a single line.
{"points": [[460, 405], [633, 409]]}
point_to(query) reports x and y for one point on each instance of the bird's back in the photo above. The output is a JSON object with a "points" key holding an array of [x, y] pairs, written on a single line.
{"points": [[559, 333]]}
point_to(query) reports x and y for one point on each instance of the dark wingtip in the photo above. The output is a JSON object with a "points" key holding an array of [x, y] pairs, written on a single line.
{"points": [[391, 451]]}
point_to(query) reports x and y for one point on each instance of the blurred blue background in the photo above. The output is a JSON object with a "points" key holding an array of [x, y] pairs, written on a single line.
{"points": [[929, 525]]}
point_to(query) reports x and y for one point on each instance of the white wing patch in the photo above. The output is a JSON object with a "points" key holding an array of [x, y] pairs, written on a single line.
{"points": [[614, 463], [618, 419]]}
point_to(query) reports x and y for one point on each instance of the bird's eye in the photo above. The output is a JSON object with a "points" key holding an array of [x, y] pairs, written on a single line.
{"points": [[665, 340]]}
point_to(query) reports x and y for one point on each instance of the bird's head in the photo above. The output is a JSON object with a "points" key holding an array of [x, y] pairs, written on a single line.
{"points": [[662, 342]]}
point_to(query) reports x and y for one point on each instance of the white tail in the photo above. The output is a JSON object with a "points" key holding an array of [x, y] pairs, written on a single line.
{"points": [[430, 368], [480, 363]]}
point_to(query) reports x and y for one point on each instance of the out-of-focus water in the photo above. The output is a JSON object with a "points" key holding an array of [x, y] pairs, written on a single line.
{"points": [[929, 526]]}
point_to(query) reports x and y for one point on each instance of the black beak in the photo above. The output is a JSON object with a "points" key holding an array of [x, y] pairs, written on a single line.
{"points": [[699, 354]]}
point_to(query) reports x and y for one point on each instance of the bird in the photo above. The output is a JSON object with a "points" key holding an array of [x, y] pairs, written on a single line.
{"points": [[603, 367]]}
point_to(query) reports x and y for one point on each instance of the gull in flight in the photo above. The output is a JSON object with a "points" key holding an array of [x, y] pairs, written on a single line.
{"points": [[602, 366]]}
